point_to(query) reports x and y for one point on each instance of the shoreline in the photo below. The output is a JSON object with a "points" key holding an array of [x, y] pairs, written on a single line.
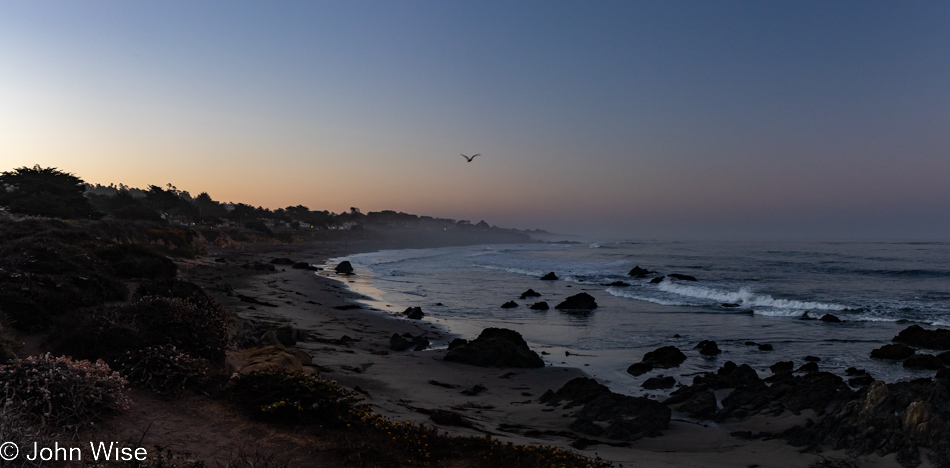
{"points": [[397, 384]]}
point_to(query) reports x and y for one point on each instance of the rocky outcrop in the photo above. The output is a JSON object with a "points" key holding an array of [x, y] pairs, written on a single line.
{"points": [[270, 358], [582, 301], [640, 273], [399, 342], [621, 417], [659, 382], [830, 318], [495, 347], [893, 352], [549, 277], [414, 313], [530, 293], [708, 348], [923, 362], [680, 277], [660, 358], [896, 418], [918, 337], [344, 268], [540, 306], [509, 305]]}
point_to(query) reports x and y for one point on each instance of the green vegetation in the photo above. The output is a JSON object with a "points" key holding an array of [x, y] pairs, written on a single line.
{"points": [[45, 192]]}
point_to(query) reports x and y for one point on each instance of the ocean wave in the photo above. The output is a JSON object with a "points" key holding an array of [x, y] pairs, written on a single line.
{"points": [[744, 297]]}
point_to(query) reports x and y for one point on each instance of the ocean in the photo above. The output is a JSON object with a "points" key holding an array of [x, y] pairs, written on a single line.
{"points": [[744, 293]]}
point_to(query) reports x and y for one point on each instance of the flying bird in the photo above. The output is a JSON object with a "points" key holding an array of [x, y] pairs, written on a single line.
{"points": [[470, 158]]}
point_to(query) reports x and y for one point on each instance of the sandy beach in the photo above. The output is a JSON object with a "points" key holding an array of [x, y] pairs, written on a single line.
{"points": [[351, 346]]}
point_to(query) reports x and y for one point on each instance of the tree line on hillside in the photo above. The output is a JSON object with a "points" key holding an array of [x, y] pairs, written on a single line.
{"points": [[49, 192]]}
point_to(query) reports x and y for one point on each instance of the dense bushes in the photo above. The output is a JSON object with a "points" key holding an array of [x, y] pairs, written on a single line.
{"points": [[163, 369], [295, 398], [137, 261], [59, 391], [195, 326]]}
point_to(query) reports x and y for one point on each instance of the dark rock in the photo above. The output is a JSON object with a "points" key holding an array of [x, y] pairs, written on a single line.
{"points": [[658, 279], [665, 357], [730, 376], [284, 335], [530, 293], [923, 362], [750, 343], [414, 313], [659, 382], [398, 343], [495, 347], [830, 318], [305, 266], [586, 426], [282, 261], [782, 367], [894, 352], [812, 359], [815, 391], [582, 301], [680, 277], [549, 277], [854, 371], [638, 272], [639, 369], [700, 404], [455, 343], [478, 388], [344, 267], [729, 305], [943, 374], [809, 367], [708, 348], [509, 305], [258, 266], [765, 347], [420, 343], [861, 381], [944, 357], [628, 418], [540, 306], [619, 284], [919, 337]]}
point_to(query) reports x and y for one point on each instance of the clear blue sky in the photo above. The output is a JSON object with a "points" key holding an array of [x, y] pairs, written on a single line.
{"points": [[797, 119]]}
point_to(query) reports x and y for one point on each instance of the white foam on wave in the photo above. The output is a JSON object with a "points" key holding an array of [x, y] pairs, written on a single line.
{"points": [[744, 297], [519, 271], [629, 295]]}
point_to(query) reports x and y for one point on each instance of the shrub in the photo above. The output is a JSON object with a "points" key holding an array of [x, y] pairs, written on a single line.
{"points": [[60, 391], [296, 398], [195, 326], [163, 369], [137, 261]]}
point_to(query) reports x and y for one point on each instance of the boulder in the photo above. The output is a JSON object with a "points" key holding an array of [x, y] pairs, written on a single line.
{"points": [[659, 382], [530, 293], [619, 284], [540, 306], [830, 318], [344, 268], [662, 358], [284, 335], [282, 261], [658, 279], [894, 352], [641, 273], [305, 266], [627, 418], [708, 348], [271, 358], [495, 347], [549, 277], [918, 337], [782, 367], [680, 277], [923, 362], [401, 343], [414, 313], [765, 347], [582, 301], [509, 305]]}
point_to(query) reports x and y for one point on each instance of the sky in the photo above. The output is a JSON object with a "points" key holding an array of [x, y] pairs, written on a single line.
{"points": [[668, 120]]}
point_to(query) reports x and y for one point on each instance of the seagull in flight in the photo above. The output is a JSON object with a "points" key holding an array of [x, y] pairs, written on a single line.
{"points": [[470, 158]]}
